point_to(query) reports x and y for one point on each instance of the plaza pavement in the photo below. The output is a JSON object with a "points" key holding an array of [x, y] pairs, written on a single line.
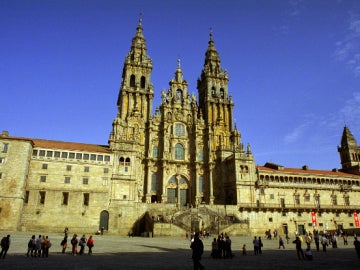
{"points": [[119, 252]]}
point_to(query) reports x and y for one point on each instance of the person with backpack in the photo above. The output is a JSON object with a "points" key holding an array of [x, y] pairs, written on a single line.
{"points": [[82, 244], [5, 244], [31, 247]]}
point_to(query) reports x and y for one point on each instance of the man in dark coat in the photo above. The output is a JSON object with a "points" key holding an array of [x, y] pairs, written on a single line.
{"points": [[197, 247]]}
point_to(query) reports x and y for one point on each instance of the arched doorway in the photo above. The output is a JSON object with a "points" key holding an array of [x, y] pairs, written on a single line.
{"points": [[104, 220], [177, 190]]}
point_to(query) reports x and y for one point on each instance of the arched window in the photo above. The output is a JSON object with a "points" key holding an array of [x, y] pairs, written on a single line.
{"points": [[179, 152], [132, 80], [213, 92], [222, 92], [127, 161], [143, 80]]}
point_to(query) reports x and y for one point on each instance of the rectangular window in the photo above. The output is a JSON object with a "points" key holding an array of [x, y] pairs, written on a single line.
{"points": [[67, 180], [100, 158], [155, 152], [86, 199], [71, 155], [297, 199], [86, 169], [44, 166], [154, 182], [43, 178], [57, 154], [85, 181], [92, 157], [200, 155], [5, 147], [85, 156], [107, 158], [272, 196], [78, 156], [334, 199], [35, 152], [26, 198], [106, 170], [201, 184], [42, 153], [179, 130], [68, 167], [64, 154], [42, 195], [262, 191], [282, 202], [65, 198], [49, 153], [307, 197], [347, 200]]}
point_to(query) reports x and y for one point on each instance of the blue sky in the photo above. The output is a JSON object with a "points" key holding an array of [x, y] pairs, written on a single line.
{"points": [[294, 67]]}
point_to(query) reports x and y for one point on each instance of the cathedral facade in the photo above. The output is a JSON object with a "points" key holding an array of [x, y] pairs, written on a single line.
{"points": [[181, 167]]}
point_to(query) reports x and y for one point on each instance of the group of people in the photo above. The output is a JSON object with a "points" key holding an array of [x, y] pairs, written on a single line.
{"points": [[75, 243], [38, 247], [221, 247]]}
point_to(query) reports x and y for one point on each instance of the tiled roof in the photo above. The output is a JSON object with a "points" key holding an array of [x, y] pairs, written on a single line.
{"points": [[50, 144], [308, 171]]}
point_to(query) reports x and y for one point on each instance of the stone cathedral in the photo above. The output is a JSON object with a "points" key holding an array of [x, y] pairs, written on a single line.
{"points": [[172, 169]]}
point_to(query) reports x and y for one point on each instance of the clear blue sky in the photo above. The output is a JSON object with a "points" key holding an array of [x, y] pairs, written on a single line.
{"points": [[294, 67]]}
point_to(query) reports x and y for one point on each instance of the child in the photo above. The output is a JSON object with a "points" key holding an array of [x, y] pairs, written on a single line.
{"points": [[244, 250]]}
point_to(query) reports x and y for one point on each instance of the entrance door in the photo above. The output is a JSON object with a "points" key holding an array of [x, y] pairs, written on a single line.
{"points": [[104, 220]]}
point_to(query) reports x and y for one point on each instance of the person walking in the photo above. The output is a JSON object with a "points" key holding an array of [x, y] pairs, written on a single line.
{"points": [[5, 245], [281, 242], [90, 244], [64, 244], [197, 247], [82, 244], [299, 250]]}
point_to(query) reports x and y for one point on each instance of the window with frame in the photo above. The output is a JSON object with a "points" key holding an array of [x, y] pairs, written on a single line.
{"points": [[86, 169], [86, 199], [49, 153], [5, 147], [35, 152], [297, 199], [78, 155], [85, 181], [42, 195], [57, 154], [272, 196], [106, 170], [42, 153], [65, 198], [179, 130], [64, 154], [317, 201], [44, 166], [155, 152], [347, 200], [200, 155], [107, 158], [179, 152], [68, 167], [86, 156], [307, 197], [92, 157], [100, 158], [71, 155], [67, 180], [43, 178]]}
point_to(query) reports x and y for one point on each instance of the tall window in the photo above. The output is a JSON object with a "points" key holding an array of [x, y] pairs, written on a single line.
{"points": [[86, 199], [317, 200], [65, 198], [297, 199], [5, 147], [154, 182], [334, 199], [155, 152], [143, 80], [179, 152], [132, 80], [179, 95], [200, 155], [201, 184], [42, 197], [179, 130], [347, 200]]}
